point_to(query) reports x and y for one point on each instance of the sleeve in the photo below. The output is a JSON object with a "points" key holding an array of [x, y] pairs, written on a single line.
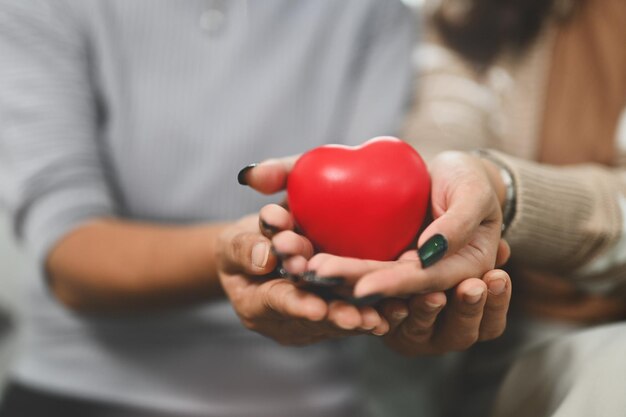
{"points": [[51, 176], [384, 90], [570, 219]]}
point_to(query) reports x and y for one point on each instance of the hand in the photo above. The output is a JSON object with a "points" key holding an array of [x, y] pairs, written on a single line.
{"points": [[268, 177], [274, 306], [430, 324], [425, 325], [465, 233], [460, 325]]}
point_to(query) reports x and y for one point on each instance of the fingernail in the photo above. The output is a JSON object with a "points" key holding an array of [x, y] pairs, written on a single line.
{"points": [[241, 177], [400, 315], [474, 295], [433, 250], [271, 229], [378, 333], [345, 325], [497, 286], [279, 255], [367, 300], [260, 254], [432, 306], [312, 278]]}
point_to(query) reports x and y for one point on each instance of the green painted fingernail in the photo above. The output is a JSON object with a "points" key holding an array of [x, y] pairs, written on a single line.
{"points": [[433, 250], [241, 176]]}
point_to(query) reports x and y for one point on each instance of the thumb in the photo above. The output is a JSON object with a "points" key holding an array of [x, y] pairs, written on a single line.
{"points": [[248, 253], [456, 227], [268, 177]]}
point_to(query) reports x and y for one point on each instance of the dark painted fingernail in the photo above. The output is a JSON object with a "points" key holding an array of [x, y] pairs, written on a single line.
{"points": [[279, 255], [271, 229], [433, 250], [367, 300], [241, 177], [312, 278]]}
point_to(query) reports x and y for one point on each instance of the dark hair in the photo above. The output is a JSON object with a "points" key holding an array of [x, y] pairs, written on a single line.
{"points": [[487, 27]]}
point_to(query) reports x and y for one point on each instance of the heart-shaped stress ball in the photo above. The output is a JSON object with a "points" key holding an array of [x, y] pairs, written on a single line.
{"points": [[365, 202]]}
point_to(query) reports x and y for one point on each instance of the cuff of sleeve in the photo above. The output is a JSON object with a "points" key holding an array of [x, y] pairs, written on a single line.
{"points": [[57, 213], [564, 216]]}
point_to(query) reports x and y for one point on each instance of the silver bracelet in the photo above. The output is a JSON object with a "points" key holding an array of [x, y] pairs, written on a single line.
{"points": [[508, 209]]}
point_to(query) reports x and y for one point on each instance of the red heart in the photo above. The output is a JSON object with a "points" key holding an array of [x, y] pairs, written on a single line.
{"points": [[366, 202]]}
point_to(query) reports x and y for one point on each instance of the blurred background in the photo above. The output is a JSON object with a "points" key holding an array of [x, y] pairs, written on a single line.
{"points": [[10, 267]]}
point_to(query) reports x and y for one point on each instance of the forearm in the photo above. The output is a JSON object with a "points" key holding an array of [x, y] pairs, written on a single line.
{"points": [[113, 265]]}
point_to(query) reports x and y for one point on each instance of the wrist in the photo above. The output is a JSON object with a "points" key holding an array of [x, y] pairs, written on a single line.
{"points": [[496, 179], [503, 183]]}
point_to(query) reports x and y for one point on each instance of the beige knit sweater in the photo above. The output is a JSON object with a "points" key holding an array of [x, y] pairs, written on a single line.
{"points": [[568, 220]]}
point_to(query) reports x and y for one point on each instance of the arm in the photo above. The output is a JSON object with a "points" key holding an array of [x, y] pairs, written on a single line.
{"points": [[55, 186], [569, 220], [111, 264]]}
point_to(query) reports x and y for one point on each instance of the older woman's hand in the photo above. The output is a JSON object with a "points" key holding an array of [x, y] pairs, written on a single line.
{"points": [[432, 324], [274, 306]]}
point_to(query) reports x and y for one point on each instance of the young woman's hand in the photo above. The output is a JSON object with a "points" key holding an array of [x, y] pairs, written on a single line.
{"points": [[461, 242]]}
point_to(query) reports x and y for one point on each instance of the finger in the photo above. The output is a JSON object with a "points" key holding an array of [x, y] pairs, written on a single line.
{"points": [[372, 321], [410, 255], [504, 253], [462, 201], [288, 243], [351, 269], [461, 322], [423, 311], [274, 219], [382, 328], [283, 299], [248, 253], [419, 326], [268, 177], [497, 305], [344, 315], [408, 277], [295, 265], [395, 311]]}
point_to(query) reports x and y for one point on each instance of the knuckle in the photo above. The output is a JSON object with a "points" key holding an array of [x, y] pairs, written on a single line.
{"points": [[497, 308], [417, 325], [469, 313], [416, 334], [248, 322], [238, 245], [492, 333]]}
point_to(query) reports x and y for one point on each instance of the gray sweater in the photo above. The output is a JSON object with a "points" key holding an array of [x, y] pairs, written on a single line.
{"points": [[147, 109]]}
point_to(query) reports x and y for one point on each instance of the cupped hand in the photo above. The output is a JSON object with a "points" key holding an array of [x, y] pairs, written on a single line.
{"points": [[294, 251], [433, 324], [274, 306]]}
